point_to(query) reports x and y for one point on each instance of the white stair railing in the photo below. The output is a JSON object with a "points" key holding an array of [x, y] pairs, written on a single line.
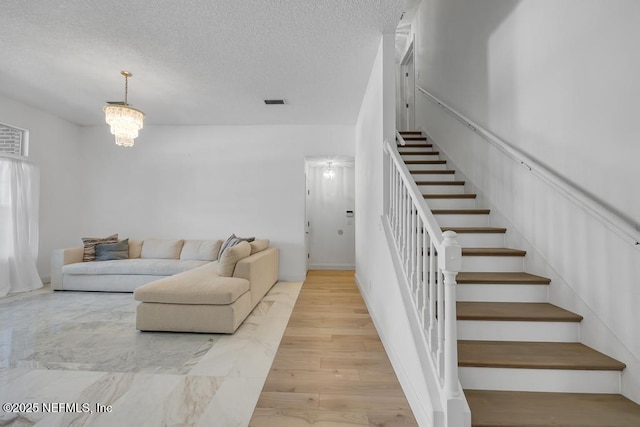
{"points": [[430, 261]]}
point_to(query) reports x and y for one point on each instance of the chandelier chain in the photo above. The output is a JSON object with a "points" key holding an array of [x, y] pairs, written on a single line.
{"points": [[126, 88]]}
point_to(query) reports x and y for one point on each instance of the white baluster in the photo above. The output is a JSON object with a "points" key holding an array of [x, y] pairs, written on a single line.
{"points": [[412, 246], [396, 196], [409, 237], [407, 255], [440, 310], [432, 297], [425, 283], [400, 219], [418, 264], [398, 211], [395, 208], [405, 229], [391, 189]]}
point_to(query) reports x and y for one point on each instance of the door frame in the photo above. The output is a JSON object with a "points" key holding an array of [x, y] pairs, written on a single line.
{"points": [[346, 162]]}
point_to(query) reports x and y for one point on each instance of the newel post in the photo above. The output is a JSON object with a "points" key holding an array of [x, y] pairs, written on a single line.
{"points": [[450, 263]]}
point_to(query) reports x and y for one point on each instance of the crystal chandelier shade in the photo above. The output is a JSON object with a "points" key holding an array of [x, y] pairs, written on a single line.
{"points": [[328, 172], [125, 121]]}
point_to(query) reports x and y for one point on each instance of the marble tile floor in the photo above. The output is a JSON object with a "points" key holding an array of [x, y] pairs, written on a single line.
{"points": [[82, 347]]}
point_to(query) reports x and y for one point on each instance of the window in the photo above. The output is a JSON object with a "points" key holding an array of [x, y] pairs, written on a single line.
{"points": [[13, 140]]}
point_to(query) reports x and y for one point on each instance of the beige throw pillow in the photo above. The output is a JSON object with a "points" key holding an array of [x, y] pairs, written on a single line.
{"points": [[161, 249], [230, 256], [259, 245], [135, 248], [200, 250]]}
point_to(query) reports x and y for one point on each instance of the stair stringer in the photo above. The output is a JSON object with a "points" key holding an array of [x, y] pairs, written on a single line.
{"points": [[594, 332]]}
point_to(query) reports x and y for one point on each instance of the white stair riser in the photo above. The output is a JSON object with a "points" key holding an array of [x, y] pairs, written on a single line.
{"points": [[492, 263], [502, 293], [403, 150], [434, 176], [481, 240], [546, 380], [455, 220], [420, 157], [451, 203], [441, 189], [487, 264], [427, 167], [491, 330]]}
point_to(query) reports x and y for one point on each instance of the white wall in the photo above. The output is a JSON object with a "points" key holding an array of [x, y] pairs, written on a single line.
{"points": [[207, 182], [374, 267], [558, 80], [53, 146], [332, 234]]}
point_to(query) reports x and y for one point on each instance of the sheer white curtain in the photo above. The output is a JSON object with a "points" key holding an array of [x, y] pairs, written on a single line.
{"points": [[19, 186]]}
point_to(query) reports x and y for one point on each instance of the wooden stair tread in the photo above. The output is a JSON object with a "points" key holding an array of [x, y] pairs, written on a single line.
{"points": [[425, 162], [460, 211], [534, 355], [404, 152], [537, 409], [492, 252], [435, 172], [410, 132], [515, 311], [415, 146], [450, 196], [506, 278], [414, 138], [439, 182], [479, 230]]}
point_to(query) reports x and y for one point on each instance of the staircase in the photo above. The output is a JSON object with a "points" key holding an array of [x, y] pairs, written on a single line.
{"points": [[520, 360]]}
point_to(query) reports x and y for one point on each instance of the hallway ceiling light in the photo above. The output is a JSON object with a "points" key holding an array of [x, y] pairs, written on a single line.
{"points": [[328, 172], [124, 120]]}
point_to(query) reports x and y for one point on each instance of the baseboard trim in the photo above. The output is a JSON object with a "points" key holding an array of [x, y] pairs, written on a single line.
{"points": [[332, 267]]}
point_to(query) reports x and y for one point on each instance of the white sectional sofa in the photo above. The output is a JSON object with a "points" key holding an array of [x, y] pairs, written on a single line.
{"points": [[156, 259], [182, 285]]}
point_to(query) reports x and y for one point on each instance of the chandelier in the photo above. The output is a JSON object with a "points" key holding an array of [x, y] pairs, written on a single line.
{"points": [[124, 120]]}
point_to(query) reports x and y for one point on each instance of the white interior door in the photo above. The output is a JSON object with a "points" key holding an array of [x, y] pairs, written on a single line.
{"points": [[402, 95], [410, 95], [409, 89], [331, 218]]}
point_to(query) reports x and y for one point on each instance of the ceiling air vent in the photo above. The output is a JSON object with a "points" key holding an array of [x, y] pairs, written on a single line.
{"points": [[274, 101]]}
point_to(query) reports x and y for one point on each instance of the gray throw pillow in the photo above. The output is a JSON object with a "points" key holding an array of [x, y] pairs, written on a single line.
{"points": [[90, 243], [232, 241], [112, 251]]}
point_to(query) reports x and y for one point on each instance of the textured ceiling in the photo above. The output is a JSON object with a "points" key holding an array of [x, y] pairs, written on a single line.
{"points": [[196, 61]]}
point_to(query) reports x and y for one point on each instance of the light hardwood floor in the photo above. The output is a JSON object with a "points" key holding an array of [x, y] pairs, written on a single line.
{"points": [[331, 369]]}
